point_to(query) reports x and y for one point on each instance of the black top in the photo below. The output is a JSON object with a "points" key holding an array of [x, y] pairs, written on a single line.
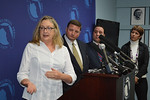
{"points": [[143, 57]]}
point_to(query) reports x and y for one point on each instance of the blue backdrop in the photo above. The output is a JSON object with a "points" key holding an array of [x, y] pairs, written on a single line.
{"points": [[18, 19]]}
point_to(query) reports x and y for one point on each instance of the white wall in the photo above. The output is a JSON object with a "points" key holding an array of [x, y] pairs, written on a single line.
{"points": [[106, 9], [124, 17], [120, 10]]}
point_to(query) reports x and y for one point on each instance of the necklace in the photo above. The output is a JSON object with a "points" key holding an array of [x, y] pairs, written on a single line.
{"points": [[133, 55], [135, 58]]}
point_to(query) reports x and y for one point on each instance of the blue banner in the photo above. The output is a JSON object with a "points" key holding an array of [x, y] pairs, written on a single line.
{"points": [[18, 19]]}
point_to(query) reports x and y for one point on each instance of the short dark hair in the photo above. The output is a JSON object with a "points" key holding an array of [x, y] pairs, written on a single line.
{"points": [[74, 22], [139, 29], [136, 11], [97, 25]]}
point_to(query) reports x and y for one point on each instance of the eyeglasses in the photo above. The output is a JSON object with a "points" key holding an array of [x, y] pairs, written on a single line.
{"points": [[47, 29]]}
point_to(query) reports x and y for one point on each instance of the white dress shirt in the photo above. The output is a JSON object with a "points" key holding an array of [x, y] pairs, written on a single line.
{"points": [[36, 61], [96, 42], [75, 44]]}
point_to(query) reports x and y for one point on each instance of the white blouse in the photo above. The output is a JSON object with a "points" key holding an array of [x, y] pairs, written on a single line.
{"points": [[36, 61]]}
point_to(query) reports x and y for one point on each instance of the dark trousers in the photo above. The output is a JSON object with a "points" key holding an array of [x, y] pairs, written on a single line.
{"points": [[141, 89]]}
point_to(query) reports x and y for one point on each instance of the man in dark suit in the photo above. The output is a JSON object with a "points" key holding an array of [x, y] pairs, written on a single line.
{"points": [[94, 52], [80, 63]]}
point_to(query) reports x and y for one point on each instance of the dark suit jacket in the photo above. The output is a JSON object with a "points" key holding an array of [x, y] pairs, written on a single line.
{"points": [[83, 49], [94, 61], [143, 57]]}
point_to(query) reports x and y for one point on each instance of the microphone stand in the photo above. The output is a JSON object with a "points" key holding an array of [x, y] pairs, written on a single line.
{"points": [[117, 50], [108, 64], [126, 62], [120, 69]]}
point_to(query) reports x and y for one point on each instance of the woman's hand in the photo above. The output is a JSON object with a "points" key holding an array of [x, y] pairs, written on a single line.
{"points": [[31, 88], [136, 80], [55, 74]]}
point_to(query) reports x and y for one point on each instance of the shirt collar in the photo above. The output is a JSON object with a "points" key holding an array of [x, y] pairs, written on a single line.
{"points": [[134, 42], [42, 43], [70, 42], [95, 42]]}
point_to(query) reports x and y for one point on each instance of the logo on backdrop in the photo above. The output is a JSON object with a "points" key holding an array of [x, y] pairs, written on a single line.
{"points": [[7, 90], [126, 88], [74, 14], [87, 35], [7, 34], [35, 9], [88, 3], [61, 32]]}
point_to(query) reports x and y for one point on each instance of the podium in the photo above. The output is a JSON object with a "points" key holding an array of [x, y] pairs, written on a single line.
{"points": [[96, 86]]}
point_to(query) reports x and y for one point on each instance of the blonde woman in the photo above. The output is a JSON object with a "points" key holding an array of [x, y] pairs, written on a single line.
{"points": [[45, 63]]}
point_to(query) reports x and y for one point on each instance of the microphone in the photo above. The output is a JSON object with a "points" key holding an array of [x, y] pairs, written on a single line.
{"points": [[112, 46], [102, 46], [121, 69], [126, 62], [109, 65], [116, 50]]}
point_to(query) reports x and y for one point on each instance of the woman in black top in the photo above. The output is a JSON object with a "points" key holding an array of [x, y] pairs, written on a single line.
{"points": [[139, 53]]}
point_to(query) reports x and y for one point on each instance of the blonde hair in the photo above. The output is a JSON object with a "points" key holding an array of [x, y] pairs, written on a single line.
{"points": [[57, 39]]}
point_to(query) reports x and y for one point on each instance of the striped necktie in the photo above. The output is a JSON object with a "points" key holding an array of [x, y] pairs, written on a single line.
{"points": [[100, 57], [75, 53]]}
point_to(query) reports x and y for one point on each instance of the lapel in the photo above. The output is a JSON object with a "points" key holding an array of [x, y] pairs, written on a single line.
{"points": [[73, 59], [94, 51], [83, 53], [96, 48], [140, 50]]}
